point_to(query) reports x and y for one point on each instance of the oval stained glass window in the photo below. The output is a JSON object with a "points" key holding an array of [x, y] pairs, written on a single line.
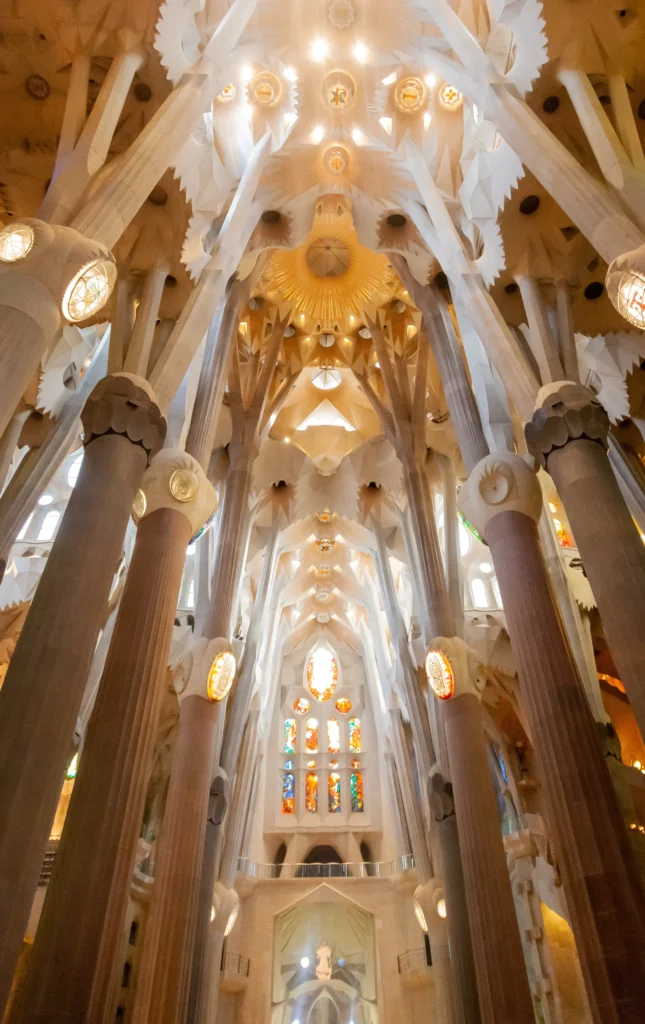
{"points": [[322, 673]]}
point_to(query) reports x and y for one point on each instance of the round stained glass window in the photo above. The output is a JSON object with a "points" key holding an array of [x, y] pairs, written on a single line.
{"points": [[88, 292], [343, 705], [322, 673], [440, 675], [221, 675], [16, 242], [301, 706]]}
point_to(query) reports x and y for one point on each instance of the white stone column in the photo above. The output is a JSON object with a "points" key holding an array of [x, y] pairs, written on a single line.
{"points": [[138, 351]]}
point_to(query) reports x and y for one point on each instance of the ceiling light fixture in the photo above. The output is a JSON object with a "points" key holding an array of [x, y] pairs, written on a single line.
{"points": [[319, 50]]}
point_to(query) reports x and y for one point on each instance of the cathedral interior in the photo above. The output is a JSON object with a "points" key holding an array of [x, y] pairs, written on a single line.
{"points": [[322, 512]]}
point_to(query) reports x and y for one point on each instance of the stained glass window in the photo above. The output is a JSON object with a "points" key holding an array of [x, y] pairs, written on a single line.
{"points": [[322, 673], [311, 792], [312, 735], [333, 764], [301, 706], [288, 764], [333, 736], [290, 735], [343, 705], [311, 764], [288, 793], [356, 791], [356, 764], [355, 735], [333, 789]]}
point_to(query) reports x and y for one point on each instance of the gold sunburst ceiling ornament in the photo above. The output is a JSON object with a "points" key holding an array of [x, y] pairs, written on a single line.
{"points": [[332, 276]]}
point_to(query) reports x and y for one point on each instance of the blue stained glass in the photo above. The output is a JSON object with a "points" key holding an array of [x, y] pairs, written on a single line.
{"points": [[288, 793]]}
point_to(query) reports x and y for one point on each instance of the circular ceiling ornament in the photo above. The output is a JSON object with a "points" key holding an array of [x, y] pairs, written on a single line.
{"points": [[439, 675], [325, 516], [410, 95], [338, 91], [323, 618], [341, 13], [336, 160], [450, 97], [326, 545], [626, 286], [221, 676], [265, 89], [323, 593], [89, 290], [184, 485], [38, 87], [326, 379], [328, 257], [228, 93], [15, 242]]}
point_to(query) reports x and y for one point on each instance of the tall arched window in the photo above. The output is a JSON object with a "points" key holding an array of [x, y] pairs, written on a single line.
{"points": [[333, 736], [48, 528], [290, 736], [311, 736], [355, 735]]}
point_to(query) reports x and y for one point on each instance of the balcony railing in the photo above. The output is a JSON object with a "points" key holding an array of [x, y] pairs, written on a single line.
{"points": [[412, 960], [358, 869], [235, 963], [48, 862]]}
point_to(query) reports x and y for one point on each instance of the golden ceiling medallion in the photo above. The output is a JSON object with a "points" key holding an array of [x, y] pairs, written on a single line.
{"points": [[336, 159], [450, 98], [265, 89], [338, 91], [410, 95], [302, 274]]}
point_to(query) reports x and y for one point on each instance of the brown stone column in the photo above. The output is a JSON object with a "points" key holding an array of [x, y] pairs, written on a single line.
{"points": [[43, 689], [568, 434], [502, 983], [603, 892], [78, 937], [465, 995], [162, 990]]}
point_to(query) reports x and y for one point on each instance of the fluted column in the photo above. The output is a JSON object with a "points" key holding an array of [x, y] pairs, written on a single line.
{"points": [[79, 934], [502, 983], [604, 896], [44, 685], [568, 434], [465, 996]]}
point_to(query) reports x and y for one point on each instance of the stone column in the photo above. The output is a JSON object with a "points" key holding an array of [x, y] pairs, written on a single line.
{"points": [[504, 994], [43, 688], [503, 499], [226, 905], [32, 288], [568, 434], [425, 897], [466, 999], [79, 933]]}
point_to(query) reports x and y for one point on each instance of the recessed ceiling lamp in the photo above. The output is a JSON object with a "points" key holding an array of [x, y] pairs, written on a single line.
{"points": [[326, 379], [88, 292], [319, 50], [15, 242], [626, 286]]}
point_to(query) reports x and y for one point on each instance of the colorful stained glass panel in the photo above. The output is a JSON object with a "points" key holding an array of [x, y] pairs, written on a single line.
{"points": [[333, 736], [288, 793], [322, 673], [356, 791], [301, 706], [289, 735], [355, 735], [356, 764], [343, 705], [333, 789], [311, 792], [311, 735]]}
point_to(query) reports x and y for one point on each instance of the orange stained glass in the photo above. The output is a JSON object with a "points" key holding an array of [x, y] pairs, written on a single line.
{"points": [[356, 764], [322, 673], [355, 735], [333, 790], [301, 706], [311, 735], [288, 793], [343, 705], [311, 764], [333, 764], [356, 792], [311, 792], [333, 736]]}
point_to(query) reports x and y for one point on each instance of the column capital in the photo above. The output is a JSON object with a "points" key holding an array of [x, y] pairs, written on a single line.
{"points": [[503, 482], [122, 403], [453, 669], [175, 480], [564, 411], [441, 797]]}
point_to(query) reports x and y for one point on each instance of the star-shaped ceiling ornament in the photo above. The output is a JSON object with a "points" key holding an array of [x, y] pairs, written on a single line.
{"points": [[341, 13]]}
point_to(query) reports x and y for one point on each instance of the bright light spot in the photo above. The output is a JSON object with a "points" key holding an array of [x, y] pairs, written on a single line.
{"points": [[212, 913], [386, 123], [304, 962], [319, 50], [358, 137], [287, 440], [289, 119], [48, 529], [637, 764], [246, 74], [190, 550], [431, 80], [479, 593], [74, 470], [361, 52], [464, 540], [190, 600], [553, 506], [352, 319], [441, 908], [318, 134], [291, 74], [427, 119], [475, 113], [23, 532], [485, 567], [46, 499], [390, 79]]}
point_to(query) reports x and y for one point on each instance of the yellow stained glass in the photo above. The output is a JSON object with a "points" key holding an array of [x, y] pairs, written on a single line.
{"points": [[322, 673], [333, 736], [290, 736], [333, 789], [356, 764], [311, 735], [288, 793], [311, 792], [343, 705], [311, 764], [301, 706], [355, 735], [356, 792]]}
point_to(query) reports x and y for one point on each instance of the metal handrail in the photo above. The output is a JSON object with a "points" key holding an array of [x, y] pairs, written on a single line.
{"points": [[357, 869], [412, 960]]}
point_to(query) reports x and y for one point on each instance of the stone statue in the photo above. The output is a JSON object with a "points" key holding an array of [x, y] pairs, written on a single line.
{"points": [[323, 962]]}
